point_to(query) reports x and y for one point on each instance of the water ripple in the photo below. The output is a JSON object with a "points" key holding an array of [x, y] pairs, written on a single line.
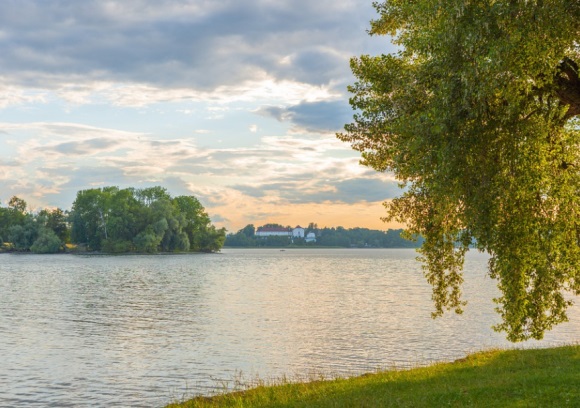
{"points": [[144, 330]]}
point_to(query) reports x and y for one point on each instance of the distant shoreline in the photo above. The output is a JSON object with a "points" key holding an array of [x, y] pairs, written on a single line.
{"points": [[313, 247], [99, 253]]}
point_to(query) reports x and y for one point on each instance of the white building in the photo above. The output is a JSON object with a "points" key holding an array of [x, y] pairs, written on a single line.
{"points": [[311, 237], [273, 232], [298, 232]]}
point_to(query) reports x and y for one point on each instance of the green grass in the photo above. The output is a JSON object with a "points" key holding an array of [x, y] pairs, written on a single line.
{"points": [[498, 378]]}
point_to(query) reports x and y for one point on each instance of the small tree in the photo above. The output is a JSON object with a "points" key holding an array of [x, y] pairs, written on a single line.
{"points": [[46, 243]]}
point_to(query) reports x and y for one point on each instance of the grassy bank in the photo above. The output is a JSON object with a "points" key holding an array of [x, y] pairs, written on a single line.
{"points": [[500, 378]]}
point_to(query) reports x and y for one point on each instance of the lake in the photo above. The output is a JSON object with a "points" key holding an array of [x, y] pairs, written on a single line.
{"points": [[145, 330]]}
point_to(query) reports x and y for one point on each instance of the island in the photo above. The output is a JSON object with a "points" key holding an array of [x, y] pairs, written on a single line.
{"points": [[112, 220]]}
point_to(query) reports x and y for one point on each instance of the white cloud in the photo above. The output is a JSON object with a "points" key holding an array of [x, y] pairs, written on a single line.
{"points": [[134, 95], [12, 95], [163, 92]]}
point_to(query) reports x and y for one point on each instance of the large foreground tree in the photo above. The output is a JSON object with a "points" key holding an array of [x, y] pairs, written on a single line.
{"points": [[477, 116]]}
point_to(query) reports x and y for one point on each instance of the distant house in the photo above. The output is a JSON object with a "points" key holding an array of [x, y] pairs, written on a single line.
{"points": [[292, 233], [298, 232], [273, 232], [311, 237]]}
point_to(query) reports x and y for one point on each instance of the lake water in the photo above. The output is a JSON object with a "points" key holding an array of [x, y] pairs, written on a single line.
{"points": [[145, 330]]}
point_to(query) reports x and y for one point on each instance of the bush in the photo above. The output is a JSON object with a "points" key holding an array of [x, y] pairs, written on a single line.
{"points": [[46, 243], [117, 247]]}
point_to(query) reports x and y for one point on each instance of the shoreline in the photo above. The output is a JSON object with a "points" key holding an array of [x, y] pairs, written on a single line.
{"points": [[546, 377], [98, 253]]}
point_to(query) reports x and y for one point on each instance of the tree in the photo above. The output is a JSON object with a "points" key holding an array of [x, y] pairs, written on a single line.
{"points": [[201, 235], [17, 204], [149, 195], [15, 214], [91, 214], [34, 235], [249, 231], [22, 236], [477, 116], [47, 242], [56, 220], [147, 220]]}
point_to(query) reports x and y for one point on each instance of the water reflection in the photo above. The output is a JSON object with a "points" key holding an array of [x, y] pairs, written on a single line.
{"points": [[139, 330]]}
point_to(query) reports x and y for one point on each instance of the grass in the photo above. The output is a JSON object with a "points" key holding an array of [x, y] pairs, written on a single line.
{"points": [[497, 378]]}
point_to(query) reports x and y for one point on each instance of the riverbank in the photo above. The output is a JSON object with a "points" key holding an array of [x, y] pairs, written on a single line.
{"points": [[497, 378], [71, 249]]}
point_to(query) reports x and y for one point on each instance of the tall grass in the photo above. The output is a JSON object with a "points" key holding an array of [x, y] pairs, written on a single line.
{"points": [[496, 378]]}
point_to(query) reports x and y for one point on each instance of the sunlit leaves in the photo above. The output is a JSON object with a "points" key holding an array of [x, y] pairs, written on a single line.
{"points": [[475, 116], [147, 220]]}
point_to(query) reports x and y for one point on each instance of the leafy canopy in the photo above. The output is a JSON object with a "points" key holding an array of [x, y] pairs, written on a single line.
{"points": [[110, 219], [477, 116]]}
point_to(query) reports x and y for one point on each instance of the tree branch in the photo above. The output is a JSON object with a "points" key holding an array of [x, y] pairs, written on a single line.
{"points": [[568, 86]]}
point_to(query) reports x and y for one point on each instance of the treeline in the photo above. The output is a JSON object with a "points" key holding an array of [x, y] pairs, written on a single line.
{"points": [[113, 220], [325, 237]]}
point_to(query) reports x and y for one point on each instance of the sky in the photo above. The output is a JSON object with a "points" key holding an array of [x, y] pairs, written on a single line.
{"points": [[236, 102]]}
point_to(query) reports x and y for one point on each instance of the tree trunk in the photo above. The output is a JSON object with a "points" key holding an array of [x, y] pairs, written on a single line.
{"points": [[568, 87]]}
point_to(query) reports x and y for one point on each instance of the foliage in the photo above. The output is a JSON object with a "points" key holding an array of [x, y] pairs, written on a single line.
{"points": [[476, 115], [114, 220], [17, 204], [13, 215], [249, 230], [56, 220], [508, 378], [147, 220], [22, 236], [242, 238], [47, 242], [327, 237], [33, 235]]}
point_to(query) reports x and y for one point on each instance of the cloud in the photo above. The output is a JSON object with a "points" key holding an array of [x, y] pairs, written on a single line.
{"points": [[293, 169], [12, 95], [277, 112], [311, 117], [316, 117], [320, 116], [140, 93], [185, 47], [90, 146], [241, 210], [318, 191]]}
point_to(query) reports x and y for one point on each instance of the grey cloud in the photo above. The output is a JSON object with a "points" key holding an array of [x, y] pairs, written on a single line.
{"points": [[157, 143], [10, 163], [323, 116], [346, 191], [8, 189], [91, 176], [98, 176], [84, 147], [369, 189], [317, 66], [218, 218], [277, 112], [215, 44]]}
